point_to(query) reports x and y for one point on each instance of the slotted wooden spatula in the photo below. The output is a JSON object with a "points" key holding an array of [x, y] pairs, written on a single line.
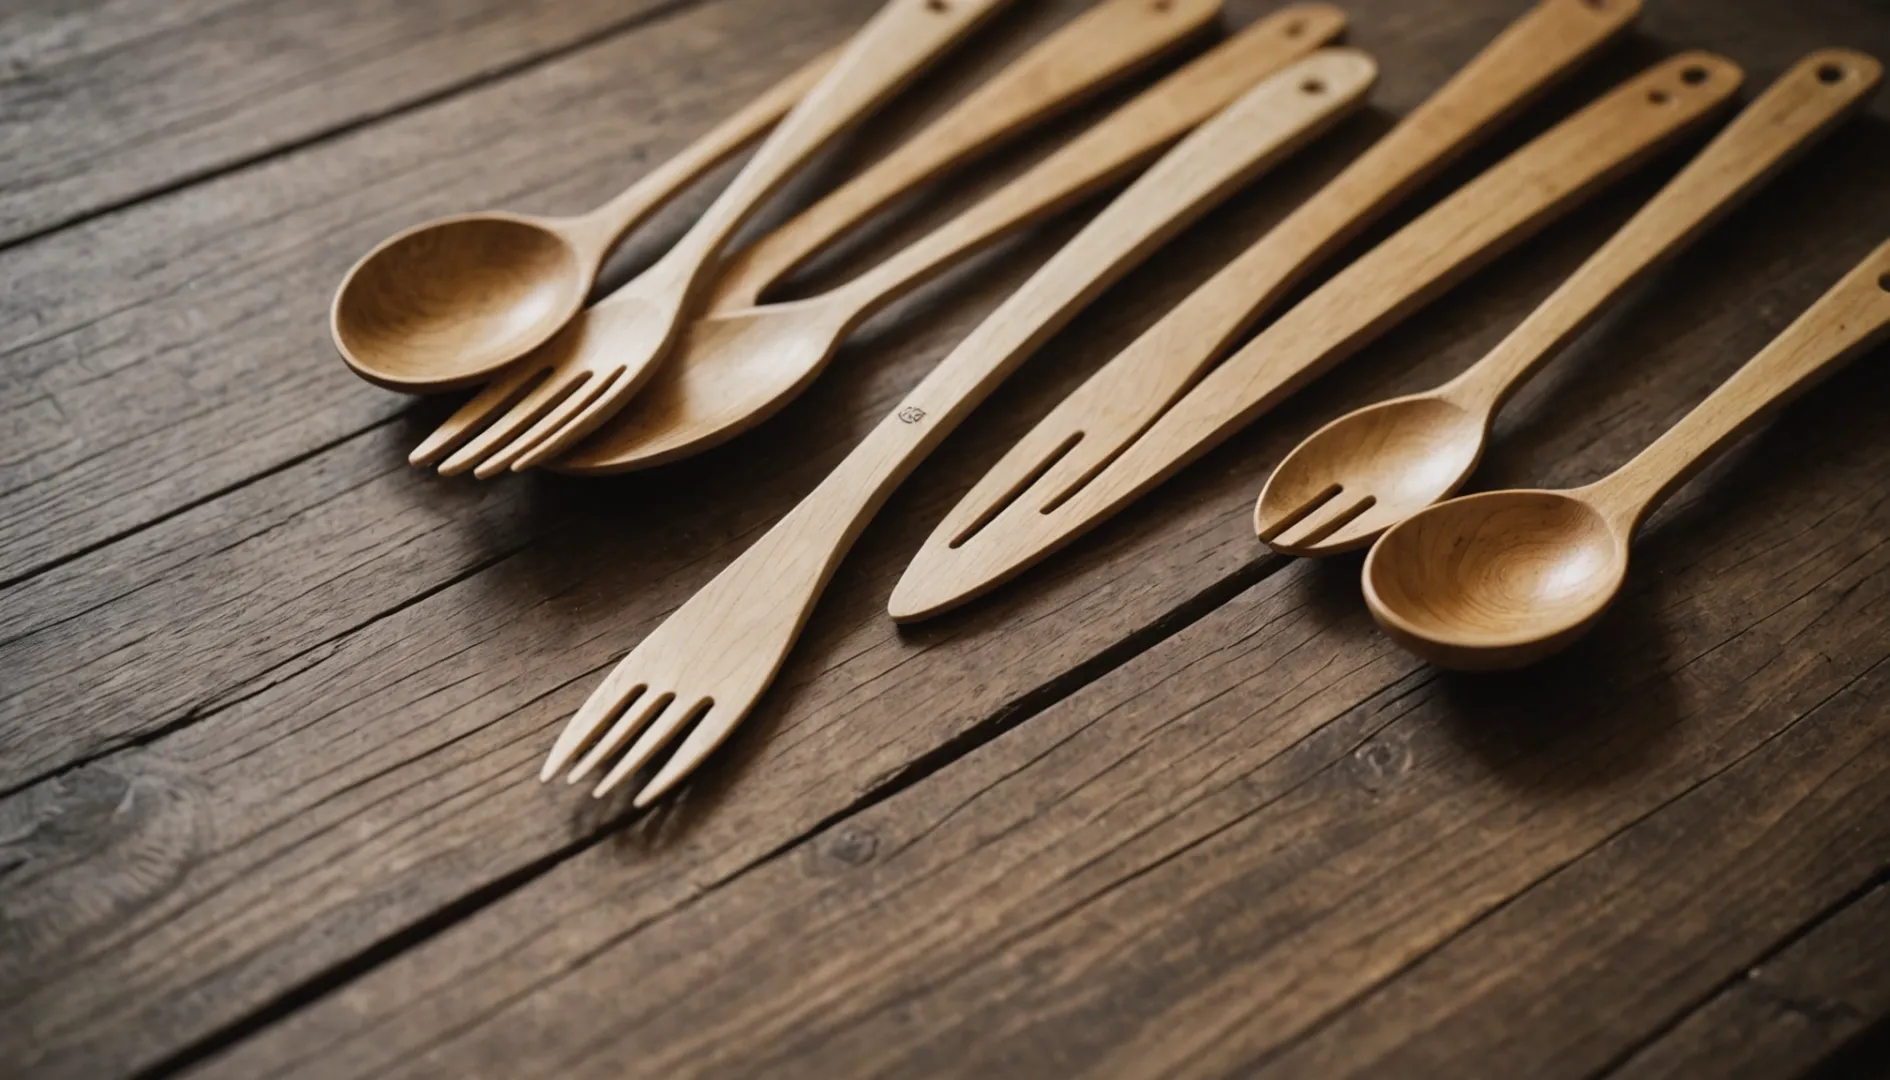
{"points": [[979, 547]]}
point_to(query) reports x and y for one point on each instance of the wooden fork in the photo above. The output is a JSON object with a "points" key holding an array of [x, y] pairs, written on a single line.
{"points": [[710, 661], [581, 388]]}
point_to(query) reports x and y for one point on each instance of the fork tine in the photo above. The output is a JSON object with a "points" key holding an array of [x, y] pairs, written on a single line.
{"points": [[1313, 528], [1298, 514], [632, 721], [611, 397], [498, 394], [521, 415], [617, 690], [546, 426], [648, 745], [708, 735]]}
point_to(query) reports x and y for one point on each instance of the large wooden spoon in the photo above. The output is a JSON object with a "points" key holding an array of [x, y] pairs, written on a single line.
{"points": [[1371, 468], [1505, 578]]}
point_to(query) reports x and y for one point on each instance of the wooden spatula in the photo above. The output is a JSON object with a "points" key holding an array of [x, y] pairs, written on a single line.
{"points": [[976, 550]]}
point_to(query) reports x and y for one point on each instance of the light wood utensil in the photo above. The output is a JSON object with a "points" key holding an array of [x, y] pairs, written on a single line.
{"points": [[1504, 578], [446, 303], [709, 662], [1364, 472], [1494, 212], [573, 389], [736, 366]]}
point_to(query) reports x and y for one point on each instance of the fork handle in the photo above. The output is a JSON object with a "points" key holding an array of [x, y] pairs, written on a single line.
{"points": [[1844, 322], [1263, 126], [1793, 113], [886, 53], [599, 230], [1098, 47]]}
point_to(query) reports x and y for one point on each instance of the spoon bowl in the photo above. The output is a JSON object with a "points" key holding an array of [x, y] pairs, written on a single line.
{"points": [[444, 304], [1496, 580], [763, 357], [1366, 471]]}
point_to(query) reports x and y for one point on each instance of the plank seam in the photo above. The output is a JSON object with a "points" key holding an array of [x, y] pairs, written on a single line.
{"points": [[236, 695]]}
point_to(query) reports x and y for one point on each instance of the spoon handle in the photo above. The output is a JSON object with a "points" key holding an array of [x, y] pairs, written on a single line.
{"points": [[1793, 113], [893, 47], [1102, 45], [1844, 322], [600, 229], [1117, 145]]}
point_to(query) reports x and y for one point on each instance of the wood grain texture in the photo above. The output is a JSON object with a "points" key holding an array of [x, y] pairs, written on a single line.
{"points": [[106, 101], [336, 672], [1791, 1011]]}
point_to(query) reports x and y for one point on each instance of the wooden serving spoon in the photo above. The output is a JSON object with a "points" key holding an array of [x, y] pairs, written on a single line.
{"points": [[739, 365], [1366, 471], [580, 388], [707, 665], [1089, 52], [444, 304], [1505, 578]]}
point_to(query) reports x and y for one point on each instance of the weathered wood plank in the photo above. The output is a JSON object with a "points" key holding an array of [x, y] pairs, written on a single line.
{"points": [[1790, 1012], [107, 101], [321, 748], [1271, 840], [383, 782]]}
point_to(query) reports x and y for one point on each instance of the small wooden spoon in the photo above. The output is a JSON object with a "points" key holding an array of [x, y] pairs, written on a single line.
{"points": [[1505, 578], [1364, 472], [444, 304]]}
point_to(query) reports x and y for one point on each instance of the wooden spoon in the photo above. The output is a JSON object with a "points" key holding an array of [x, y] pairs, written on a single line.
{"points": [[1505, 578], [1368, 470], [444, 304], [581, 387], [738, 365], [707, 665]]}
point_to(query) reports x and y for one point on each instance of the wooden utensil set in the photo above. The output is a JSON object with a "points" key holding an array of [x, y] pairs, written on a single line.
{"points": [[689, 353]]}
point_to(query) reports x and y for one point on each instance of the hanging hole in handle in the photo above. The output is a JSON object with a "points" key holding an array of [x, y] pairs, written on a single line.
{"points": [[1295, 28], [1694, 75], [938, 5], [1884, 282], [1163, 6], [1829, 74], [1658, 97], [1312, 86]]}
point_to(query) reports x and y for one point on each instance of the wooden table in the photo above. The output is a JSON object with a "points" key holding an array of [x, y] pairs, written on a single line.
{"points": [[273, 701]]}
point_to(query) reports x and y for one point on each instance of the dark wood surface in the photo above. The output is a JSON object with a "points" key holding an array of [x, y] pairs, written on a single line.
{"points": [[271, 702]]}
